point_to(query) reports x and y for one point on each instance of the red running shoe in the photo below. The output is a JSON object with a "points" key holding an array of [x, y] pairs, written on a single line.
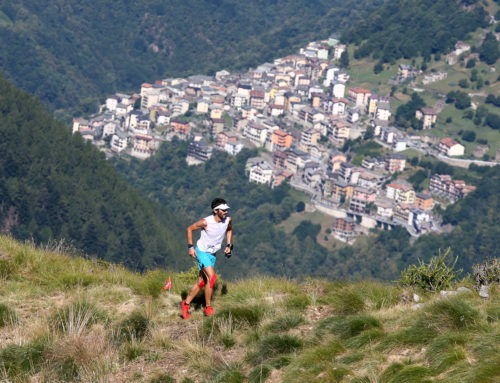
{"points": [[185, 310], [208, 311]]}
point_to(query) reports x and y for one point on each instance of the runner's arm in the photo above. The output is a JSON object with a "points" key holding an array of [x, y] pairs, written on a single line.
{"points": [[201, 224], [229, 236]]}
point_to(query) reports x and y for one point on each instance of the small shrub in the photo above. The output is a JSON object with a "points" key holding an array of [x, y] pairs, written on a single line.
{"points": [[134, 327], [435, 276], [7, 316], [487, 272]]}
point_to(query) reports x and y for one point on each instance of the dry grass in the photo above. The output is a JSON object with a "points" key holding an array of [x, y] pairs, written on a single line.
{"points": [[319, 330]]}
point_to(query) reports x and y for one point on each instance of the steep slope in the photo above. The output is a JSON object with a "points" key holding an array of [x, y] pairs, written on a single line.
{"points": [[98, 322], [68, 53], [53, 185]]}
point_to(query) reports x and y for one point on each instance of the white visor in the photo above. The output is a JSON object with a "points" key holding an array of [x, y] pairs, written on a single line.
{"points": [[222, 206]]}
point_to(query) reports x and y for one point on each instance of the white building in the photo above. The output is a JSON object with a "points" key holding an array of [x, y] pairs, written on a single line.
{"points": [[261, 173]]}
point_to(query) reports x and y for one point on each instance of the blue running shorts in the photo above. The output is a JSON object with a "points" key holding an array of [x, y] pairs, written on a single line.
{"points": [[204, 259]]}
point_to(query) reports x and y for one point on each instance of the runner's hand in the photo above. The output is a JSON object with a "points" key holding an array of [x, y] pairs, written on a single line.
{"points": [[192, 252]]}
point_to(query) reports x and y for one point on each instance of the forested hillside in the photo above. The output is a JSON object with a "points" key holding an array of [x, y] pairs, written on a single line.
{"points": [[54, 185], [257, 211], [407, 29], [69, 53]]}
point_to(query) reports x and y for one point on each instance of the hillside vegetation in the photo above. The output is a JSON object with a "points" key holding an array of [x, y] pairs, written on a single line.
{"points": [[408, 29], [70, 54], [53, 186], [64, 318]]}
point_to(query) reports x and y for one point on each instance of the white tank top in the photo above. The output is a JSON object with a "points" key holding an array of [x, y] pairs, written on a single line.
{"points": [[212, 236]]}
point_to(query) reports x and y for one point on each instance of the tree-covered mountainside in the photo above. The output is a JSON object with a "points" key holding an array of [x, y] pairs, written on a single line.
{"points": [[407, 29], [257, 212], [69, 53], [54, 185]]}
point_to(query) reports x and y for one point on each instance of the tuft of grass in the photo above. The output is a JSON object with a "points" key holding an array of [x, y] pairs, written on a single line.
{"points": [[83, 358], [71, 280], [346, 301], [244, 314], [493, 314], [452, 313], [312, 362], [135, 327], [347, 327], [132, 349], [352, 358], [397, 373], [162, 378], [228, 373], [445, 351], [367, 337], [16, 360], [220, 327], [336, 373], [76, 317], [150, 284], [7, 316], [285, 323], [7, 269], [260, 373], [378, 295], [275, 345], [486, 371], [297, 302]]}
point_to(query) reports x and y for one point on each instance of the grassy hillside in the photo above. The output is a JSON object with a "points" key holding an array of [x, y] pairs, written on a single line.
{"points": [[68, 319], [70, 54]]}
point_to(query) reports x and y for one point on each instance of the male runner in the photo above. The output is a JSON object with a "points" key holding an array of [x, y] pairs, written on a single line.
{"points": [[213, 228]]}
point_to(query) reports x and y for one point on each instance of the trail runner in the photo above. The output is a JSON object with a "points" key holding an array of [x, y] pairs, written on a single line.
{"points": [[213, 228]]}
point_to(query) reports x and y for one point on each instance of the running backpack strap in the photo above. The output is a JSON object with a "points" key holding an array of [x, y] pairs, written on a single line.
{"points": [[212, 281]]}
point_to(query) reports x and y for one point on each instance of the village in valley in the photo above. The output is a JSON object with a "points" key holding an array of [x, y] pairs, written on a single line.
{"points": [[300, 110]]}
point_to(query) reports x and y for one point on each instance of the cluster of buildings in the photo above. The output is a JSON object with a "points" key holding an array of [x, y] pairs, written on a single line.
{"points": [[298, 108]]}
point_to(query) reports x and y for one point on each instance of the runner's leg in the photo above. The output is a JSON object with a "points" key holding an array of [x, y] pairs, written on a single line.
{"points": [[195, 289], [209, 272]]}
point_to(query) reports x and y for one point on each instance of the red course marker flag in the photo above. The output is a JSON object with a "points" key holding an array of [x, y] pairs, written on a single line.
{"points": [[168, 285]]}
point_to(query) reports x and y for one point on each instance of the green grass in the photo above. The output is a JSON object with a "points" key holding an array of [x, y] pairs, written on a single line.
{"points": [[295, 331], [8, 316]]}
